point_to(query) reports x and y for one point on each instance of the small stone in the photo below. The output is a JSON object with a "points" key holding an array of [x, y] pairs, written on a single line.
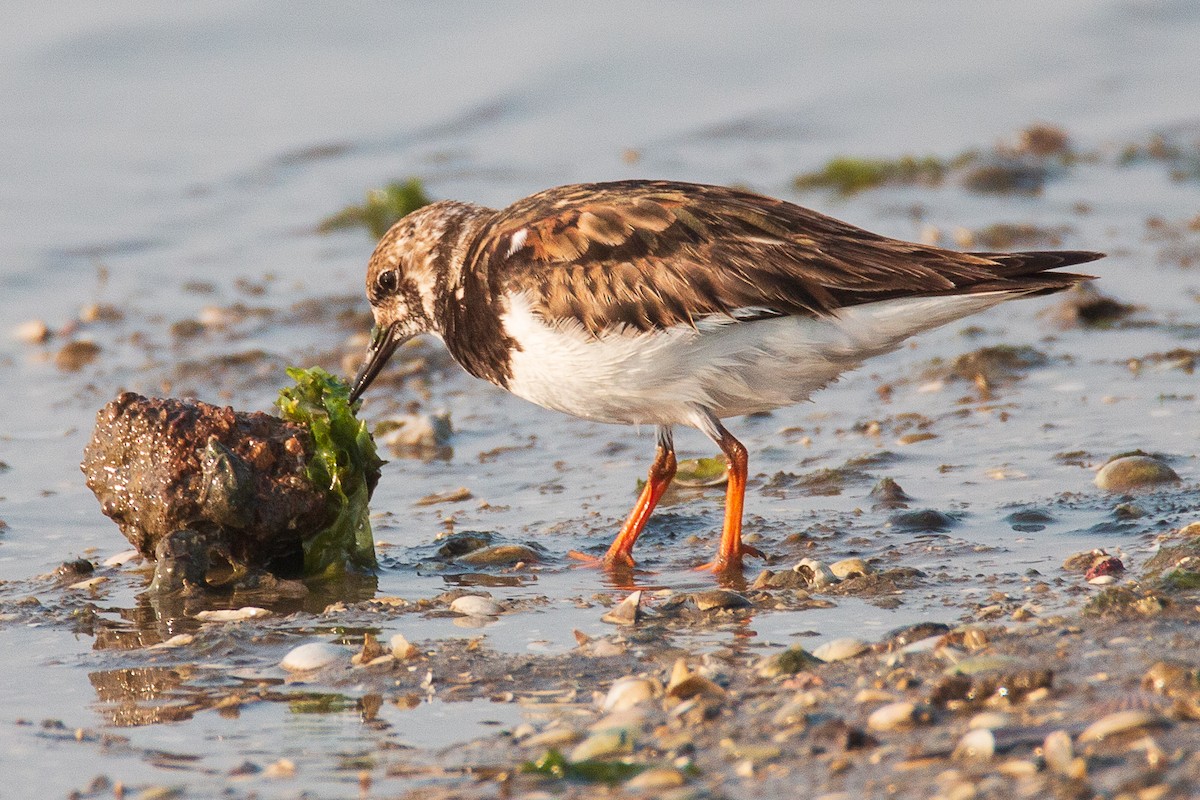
{"points": [[283, 768], [603, 743], [314, 656], [990, 720], [1058, 752], [901, 714], [33, 331], [402, 649], [887, 495], [627, 612], [720, 599], [474, 605], [74, 356], [501, 555], [976, 745], [232, 614], [629, 692], [656, 778], [841, 649], [789, 662], [415, 431], [1120, 722], [1134, 473], [850, 568]]}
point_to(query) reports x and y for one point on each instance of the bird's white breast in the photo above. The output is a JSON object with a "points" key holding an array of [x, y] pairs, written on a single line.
{"points": [[728, 367]]}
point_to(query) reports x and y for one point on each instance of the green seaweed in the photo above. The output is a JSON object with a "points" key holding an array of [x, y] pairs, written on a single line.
{"points": [[343, 463], [555, 765], [381, 209], [848, 175]]}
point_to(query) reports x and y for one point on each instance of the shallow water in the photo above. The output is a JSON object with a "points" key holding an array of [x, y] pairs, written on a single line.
{"points": [[148, 150]]}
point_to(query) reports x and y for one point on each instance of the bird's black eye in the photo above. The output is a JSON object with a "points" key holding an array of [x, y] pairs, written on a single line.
{"points": [[388, 281]]}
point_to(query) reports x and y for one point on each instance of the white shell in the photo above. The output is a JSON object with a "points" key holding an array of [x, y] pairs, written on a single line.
{"points": [[232, 614], [841, 649], [122, 558], [1120, 722], [402, 648], [473, 605], [314, 655], [821, 574]]}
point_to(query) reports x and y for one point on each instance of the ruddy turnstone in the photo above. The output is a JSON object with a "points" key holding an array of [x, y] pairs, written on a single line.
{"points": [[654, 302]]}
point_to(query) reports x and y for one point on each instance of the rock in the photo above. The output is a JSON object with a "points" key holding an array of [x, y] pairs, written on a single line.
{"points": [[841, 649], [629, 692], [850, 568], [33, 331], [74, 356], [1059, 753], [926, 520], [603, 743], [314, 656], [1134, 473], [887, 495], [474, 605], [501, 555], [402, 649], [789, 662], [893, 716], [421, 432], [977, 745], [720, 599], [656, 778], [158, 466]]}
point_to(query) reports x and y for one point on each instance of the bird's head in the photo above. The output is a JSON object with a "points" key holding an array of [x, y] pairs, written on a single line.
{"points": [[406, 274]]}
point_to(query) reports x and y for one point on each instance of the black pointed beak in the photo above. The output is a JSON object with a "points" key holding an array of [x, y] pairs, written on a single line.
{"points": [[384, 342]]}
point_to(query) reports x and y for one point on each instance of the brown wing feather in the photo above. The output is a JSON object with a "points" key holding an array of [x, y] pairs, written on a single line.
{"points": [[651, 254]]}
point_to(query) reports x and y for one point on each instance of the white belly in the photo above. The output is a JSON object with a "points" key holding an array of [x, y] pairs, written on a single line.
{"points": [[730, 368]]}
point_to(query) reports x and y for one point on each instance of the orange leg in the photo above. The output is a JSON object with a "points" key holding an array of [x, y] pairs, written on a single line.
{"points": [[620, 552], [731, 549]]}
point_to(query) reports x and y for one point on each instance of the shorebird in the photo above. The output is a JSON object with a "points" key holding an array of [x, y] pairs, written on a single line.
{"points": [[663, 303]]}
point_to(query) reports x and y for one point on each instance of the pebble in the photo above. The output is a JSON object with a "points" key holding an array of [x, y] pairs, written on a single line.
{"points": [[402, 648], [554, 737], [789, 662], [1131, 473], [901, 714], [34, 331], [656, 778], [1120, 722], [717, 599], [629, 692], [627, 612], [313, 656], [976, 745], [1058, 752], [74, 356], [232, 614], [841, 649], [603, 743], [474, 605], [501, 555], [850, 568], [416, 431], [991, 720]]}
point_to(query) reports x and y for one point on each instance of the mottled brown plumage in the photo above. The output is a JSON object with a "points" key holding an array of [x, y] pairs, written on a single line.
{"points": [[652, 254]]}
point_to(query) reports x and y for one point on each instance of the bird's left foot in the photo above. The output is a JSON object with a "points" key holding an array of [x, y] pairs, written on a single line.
{"points": [[609, 562], [730, 562]]}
